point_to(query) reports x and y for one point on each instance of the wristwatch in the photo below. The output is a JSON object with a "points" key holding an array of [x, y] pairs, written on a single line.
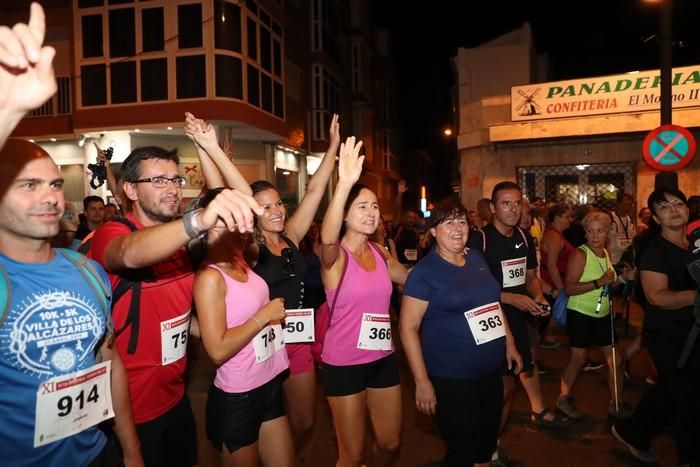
{"points": [[190, 221]]}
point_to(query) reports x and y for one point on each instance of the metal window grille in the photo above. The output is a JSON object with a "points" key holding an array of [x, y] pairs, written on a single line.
{"points": [[579, 184]]}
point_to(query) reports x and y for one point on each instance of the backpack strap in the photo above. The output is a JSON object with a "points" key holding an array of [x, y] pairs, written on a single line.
{"points": [[84, 246], [133, 282], [5, 294], [89, 272], [133, 316]]}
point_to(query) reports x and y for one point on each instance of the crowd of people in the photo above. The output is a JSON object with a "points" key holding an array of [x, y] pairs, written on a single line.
{"points": [[94, 351]]}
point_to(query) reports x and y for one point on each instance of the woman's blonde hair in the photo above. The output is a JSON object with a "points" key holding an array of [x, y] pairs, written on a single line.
{"points": [[597, 216]]}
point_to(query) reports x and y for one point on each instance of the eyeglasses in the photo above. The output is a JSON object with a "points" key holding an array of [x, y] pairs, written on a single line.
{"points": [[162, 182], [288, 264]]}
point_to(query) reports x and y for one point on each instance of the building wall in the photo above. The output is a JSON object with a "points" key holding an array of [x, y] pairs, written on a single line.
{"points": [[586, 140], [342, 28], [492, 68], [484, 166]]}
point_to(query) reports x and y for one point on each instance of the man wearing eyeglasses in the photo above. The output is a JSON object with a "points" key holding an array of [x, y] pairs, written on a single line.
{"points": [[152, 276]]}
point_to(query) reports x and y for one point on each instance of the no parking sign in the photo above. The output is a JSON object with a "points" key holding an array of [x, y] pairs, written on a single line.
{"points": [[668, 148]]}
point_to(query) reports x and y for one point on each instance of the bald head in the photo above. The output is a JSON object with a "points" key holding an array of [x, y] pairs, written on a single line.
{"points": [[14, 156]]}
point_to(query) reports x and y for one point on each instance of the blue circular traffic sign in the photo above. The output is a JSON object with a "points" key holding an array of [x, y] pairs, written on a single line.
{"points": [[669, 147]]}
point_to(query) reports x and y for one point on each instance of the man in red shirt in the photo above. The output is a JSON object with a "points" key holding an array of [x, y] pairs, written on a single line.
{"points": [[150, 256]]}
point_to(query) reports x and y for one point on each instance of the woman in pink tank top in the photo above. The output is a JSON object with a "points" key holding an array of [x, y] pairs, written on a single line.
{"points": [[360, 371], [241, 331]]}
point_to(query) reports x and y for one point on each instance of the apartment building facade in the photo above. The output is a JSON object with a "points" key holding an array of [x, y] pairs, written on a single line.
{"points": [[268, 73]]}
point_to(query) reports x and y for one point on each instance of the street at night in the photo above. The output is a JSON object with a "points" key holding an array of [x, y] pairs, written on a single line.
{"points": [[585, 443], [349, 233]]}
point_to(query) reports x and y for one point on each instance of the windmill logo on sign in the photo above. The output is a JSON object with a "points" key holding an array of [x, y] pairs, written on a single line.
{"points": [[528, 106]]}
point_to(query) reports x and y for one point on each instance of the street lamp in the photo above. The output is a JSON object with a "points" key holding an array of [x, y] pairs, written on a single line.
{"points": [[447, 132]]}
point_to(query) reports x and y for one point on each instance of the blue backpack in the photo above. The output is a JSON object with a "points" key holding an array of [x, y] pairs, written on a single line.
{"points": [[559, 308], [102, 290]]}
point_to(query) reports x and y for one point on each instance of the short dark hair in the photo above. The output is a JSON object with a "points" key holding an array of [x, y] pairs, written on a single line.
{"points": [[659, 196], [88, 200], [261, 185], [204, 200], [502, 186], [450, 208], [131, 167]]}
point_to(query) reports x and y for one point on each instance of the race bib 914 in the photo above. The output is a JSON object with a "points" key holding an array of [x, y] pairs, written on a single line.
{"points": [[68, 404]]}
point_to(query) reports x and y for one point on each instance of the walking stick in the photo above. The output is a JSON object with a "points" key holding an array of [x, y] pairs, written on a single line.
{"points": [[614, 359]]}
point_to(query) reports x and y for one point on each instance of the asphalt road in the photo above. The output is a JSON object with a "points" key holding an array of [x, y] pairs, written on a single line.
{"points": [[587, 442]]}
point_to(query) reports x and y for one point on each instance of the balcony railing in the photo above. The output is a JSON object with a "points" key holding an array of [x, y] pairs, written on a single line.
{"points": [[60, 103]]}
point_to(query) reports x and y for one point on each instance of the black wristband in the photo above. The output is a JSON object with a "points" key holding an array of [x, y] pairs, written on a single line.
{"points": [[595, 284]]}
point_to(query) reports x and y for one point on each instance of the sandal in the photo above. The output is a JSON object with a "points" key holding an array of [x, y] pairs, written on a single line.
{"points": [[559, 420]]}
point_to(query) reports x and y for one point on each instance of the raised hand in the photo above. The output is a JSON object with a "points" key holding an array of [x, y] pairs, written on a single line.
{"points": [[233, 209], [334, 131], [26, 71], [199, 131], [101, 156], [402, 186], [350, 164]]}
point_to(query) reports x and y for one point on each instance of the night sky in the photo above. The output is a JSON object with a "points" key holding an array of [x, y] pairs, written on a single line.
{"points": [[581, 38]]}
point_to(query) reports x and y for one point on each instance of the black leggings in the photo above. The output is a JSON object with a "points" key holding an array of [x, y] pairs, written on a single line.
{"points": [[673, 401], [469, 417]]}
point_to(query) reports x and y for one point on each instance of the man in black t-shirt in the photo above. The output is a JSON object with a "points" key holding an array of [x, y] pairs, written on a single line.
{"points": [[408, 239], [511, 256]]}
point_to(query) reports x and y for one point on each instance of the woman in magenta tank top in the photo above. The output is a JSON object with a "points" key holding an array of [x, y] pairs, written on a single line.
{"points": [[241, 331], [360, 371]]}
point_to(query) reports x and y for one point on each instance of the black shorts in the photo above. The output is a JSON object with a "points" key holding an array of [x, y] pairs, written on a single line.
{"points": [[352, 379], [468, 415], [586, 331], [521, 335], [170, 439], [234, 419]]}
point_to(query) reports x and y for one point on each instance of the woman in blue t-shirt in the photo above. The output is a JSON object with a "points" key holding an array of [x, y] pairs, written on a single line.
{"points": [[452, 300]]}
